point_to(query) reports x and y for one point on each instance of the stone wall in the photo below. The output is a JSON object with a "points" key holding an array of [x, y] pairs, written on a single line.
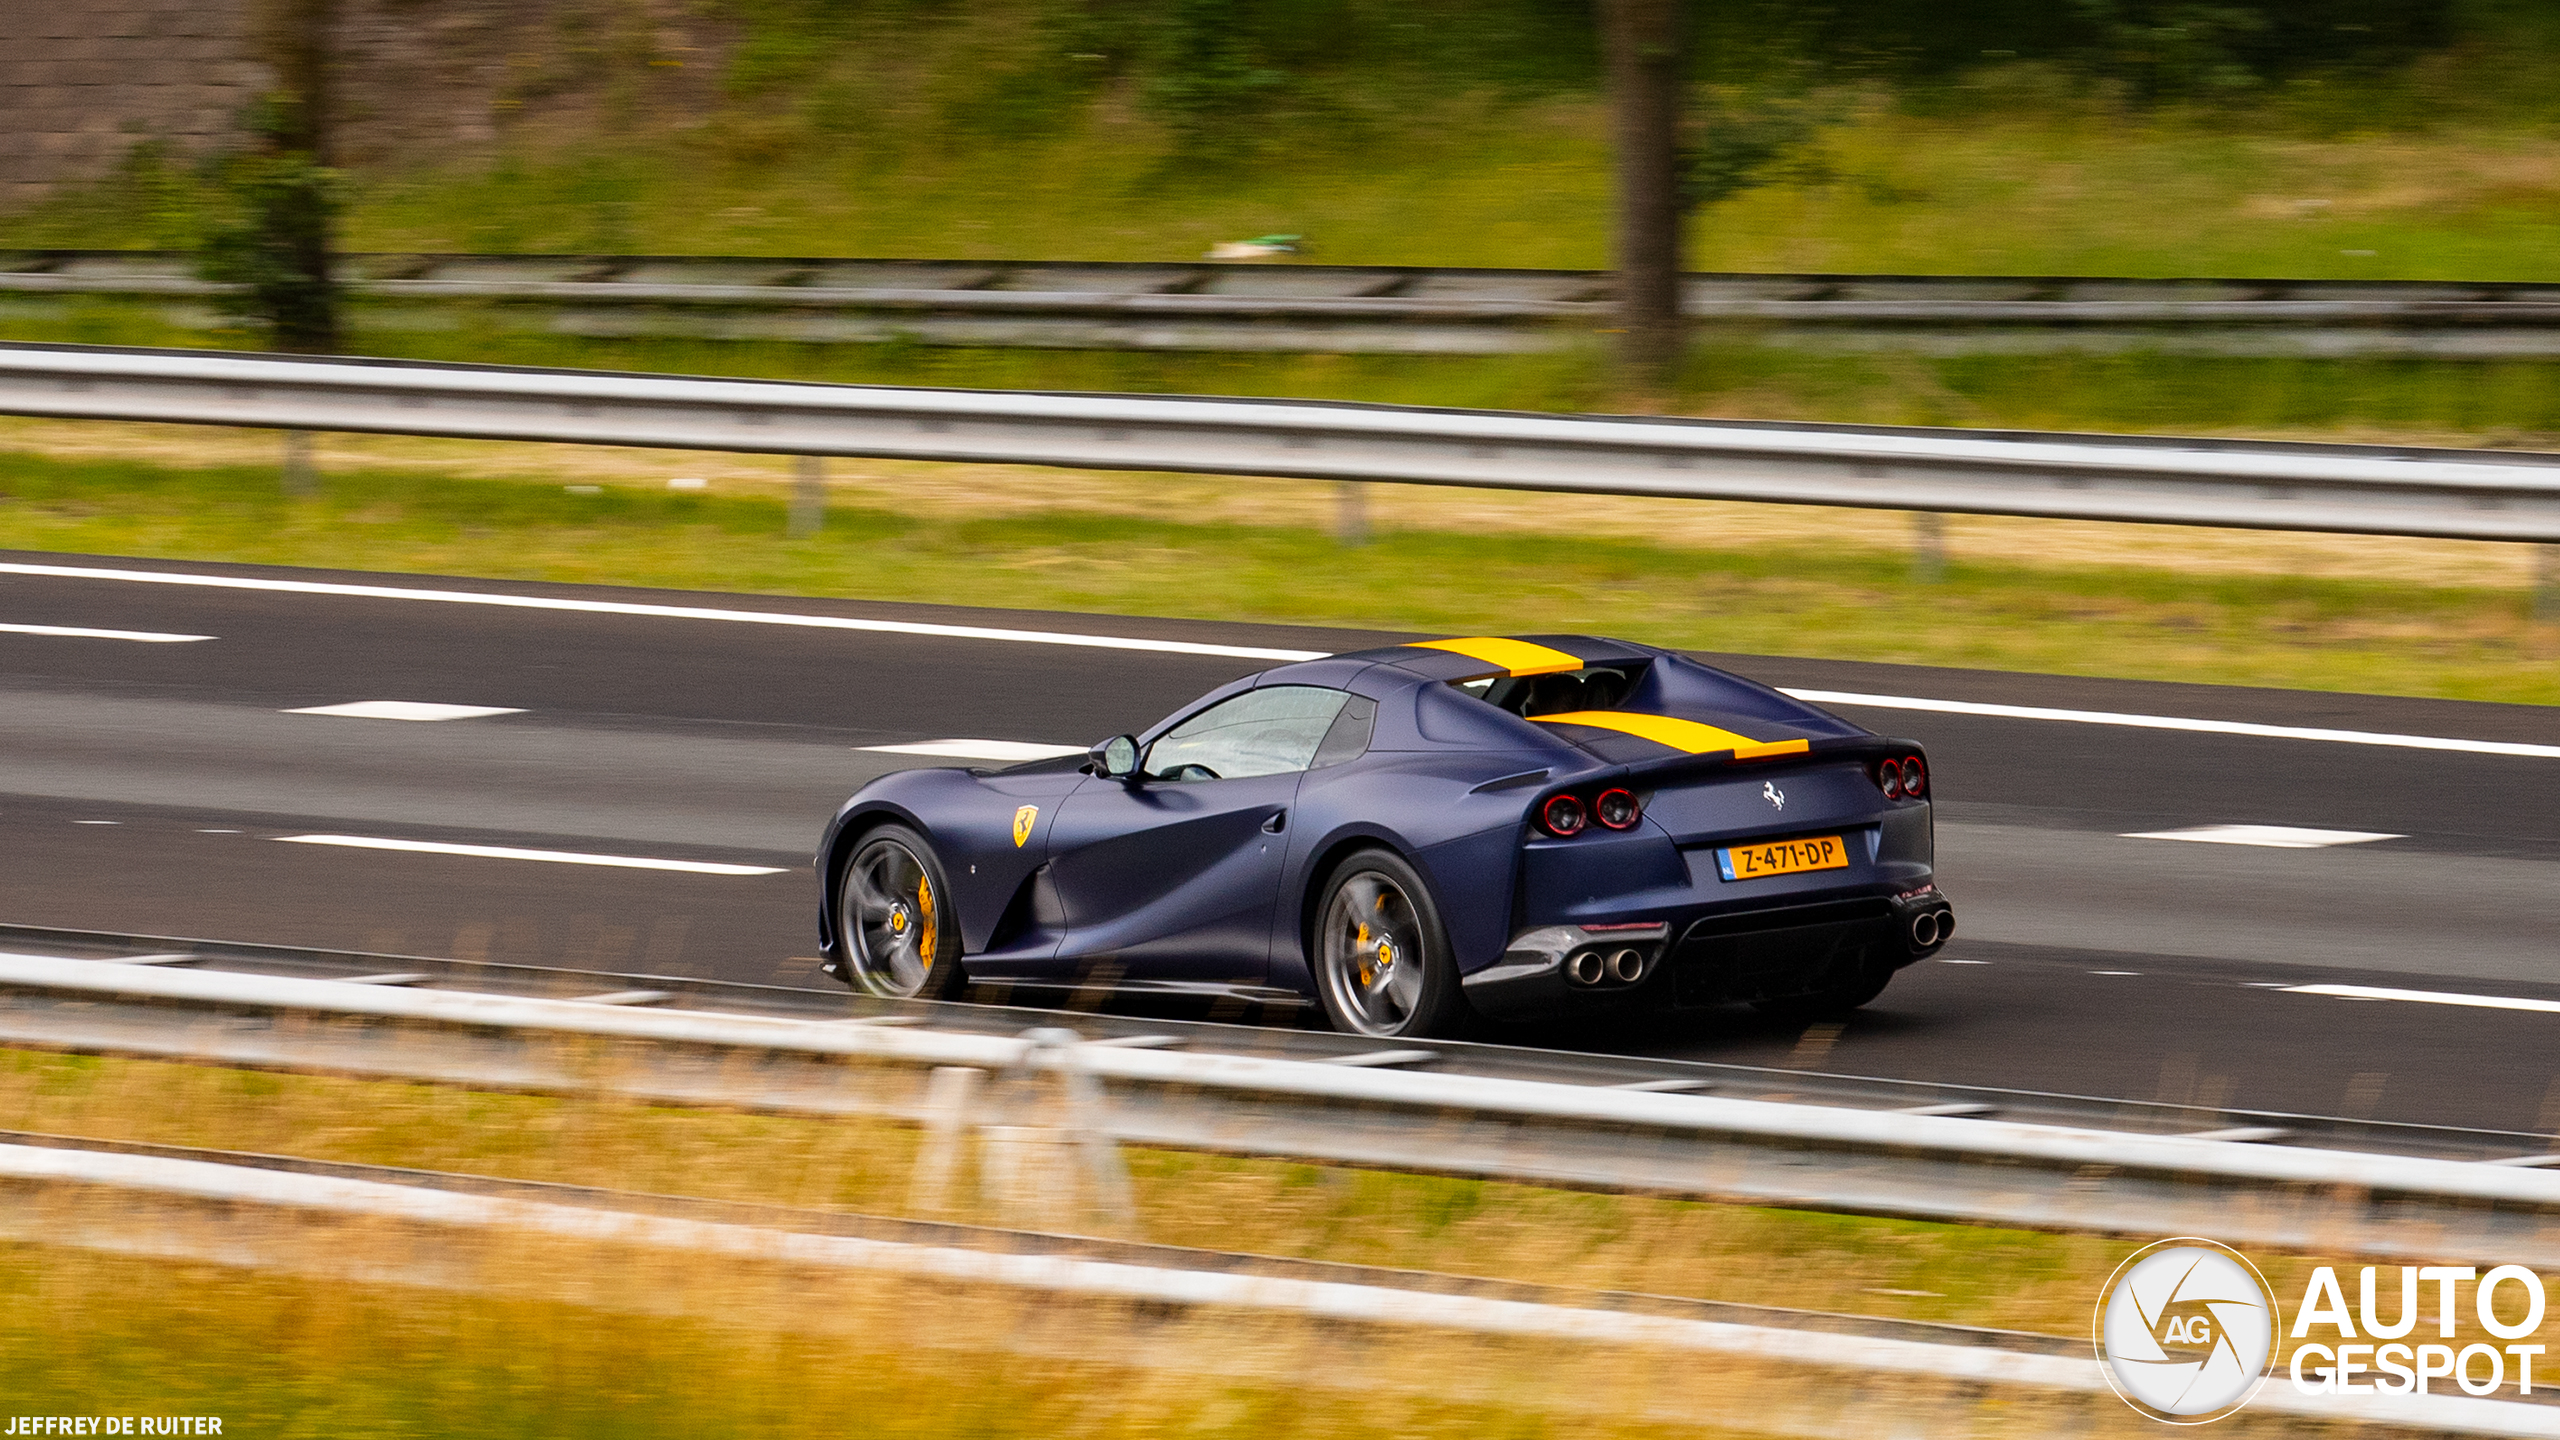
{"points": [[418, 81], [83, 81]]}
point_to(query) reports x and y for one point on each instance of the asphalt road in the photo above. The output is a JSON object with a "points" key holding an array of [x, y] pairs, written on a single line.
{"points": [[144, 785]]}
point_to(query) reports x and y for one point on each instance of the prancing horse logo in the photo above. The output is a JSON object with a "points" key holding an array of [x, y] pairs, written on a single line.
{"points": [[1022, 819], [1769, 791]]}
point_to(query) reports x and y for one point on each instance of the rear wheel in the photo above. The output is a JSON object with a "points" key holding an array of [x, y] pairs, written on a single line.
{"points": [[893, 916], [1382, 962]]}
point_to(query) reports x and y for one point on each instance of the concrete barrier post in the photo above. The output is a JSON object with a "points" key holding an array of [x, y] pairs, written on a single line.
{"points": [[1928, 546], [809, 496], [1351, 512], [301, 477]]}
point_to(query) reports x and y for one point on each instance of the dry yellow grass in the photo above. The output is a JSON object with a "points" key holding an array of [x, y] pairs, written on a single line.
{"points": [[336, 1325], [920, 488]]}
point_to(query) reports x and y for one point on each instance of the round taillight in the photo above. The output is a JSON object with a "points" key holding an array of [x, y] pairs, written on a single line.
{"points": [[1563, 816], [1915, 777], [1889, 777], [1617, 809]]}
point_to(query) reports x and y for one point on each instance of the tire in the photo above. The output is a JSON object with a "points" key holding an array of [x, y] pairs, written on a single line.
{"points": [[894, 925], [1380, 955], [1833, 1003]]}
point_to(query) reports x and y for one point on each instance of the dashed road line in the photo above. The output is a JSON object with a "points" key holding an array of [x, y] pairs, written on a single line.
{"points": [[82, 632], [2427, 997], [509, 852], [1008, 750], [405, 710], [2271, 837]]}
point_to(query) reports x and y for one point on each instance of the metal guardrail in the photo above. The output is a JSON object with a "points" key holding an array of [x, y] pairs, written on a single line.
{"points": [[1898, 1162], [1362, 308], [999, 1012], [2022, 1364], [2476, 495]]}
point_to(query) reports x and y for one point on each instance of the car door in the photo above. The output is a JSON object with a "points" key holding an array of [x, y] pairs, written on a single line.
{"points": [[1174, 873]]}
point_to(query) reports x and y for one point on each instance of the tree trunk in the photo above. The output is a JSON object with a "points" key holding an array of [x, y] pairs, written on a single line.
{"points": [[297, 37], [1644, 43]]}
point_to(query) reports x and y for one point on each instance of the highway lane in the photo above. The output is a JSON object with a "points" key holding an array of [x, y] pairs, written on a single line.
{"points": [[720, 740]]}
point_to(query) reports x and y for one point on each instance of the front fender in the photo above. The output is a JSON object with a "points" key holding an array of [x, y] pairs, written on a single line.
{"points": [[969, 817]]}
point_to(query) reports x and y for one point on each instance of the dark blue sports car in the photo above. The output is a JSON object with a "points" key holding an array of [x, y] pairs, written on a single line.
{"points": [[1412, 836]]}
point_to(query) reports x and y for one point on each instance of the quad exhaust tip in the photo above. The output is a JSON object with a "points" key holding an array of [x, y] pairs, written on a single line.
{"points": [[1590, 967], [1929, 927]]}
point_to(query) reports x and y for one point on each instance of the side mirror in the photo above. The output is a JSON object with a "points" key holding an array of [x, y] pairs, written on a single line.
{"points": [[1116, 758]]}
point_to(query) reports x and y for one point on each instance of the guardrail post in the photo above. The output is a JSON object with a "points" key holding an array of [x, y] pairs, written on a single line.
{"points": [[1024, 1168], [2546, 581], [948, 1098], [1351, 512], [809, 495], [301, 478], [1928, 546]]}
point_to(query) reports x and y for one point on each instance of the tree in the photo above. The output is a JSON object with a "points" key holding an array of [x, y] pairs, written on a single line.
{"points": [[1642, 40], [274, 245]]}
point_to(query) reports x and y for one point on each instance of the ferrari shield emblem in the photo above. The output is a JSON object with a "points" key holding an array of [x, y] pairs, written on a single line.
{"points": [[1022, 819]]}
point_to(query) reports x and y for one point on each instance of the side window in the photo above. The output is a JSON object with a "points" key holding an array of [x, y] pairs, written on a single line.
{"points": [[1349, 737], [1270, 731]]}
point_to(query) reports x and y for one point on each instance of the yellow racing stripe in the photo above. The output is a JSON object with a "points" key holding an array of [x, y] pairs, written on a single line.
{"points": [[1678, 734], [1516, 657]]}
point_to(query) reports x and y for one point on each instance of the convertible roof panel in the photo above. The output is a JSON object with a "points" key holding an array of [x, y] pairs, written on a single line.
{"points": [[1512, 657], [1690, 737], [1469, 657]]}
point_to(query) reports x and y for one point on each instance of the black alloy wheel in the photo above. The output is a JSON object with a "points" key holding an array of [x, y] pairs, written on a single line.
{"points": [[896, 929], [1382, 961]]}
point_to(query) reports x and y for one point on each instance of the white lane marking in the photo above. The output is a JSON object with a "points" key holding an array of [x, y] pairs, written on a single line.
{"points": [[79, 632], [980, 749], [405, 710], [2273, 837], [97, 822], [663, 612], [2427, 997], [509, 852], [2172, 722]]}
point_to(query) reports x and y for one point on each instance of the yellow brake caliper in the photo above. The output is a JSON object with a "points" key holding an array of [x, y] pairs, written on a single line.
{"points": [[932, 932]]}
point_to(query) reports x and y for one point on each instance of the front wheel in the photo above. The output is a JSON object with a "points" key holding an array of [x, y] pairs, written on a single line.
{"points": [[894, 922], [1382, 962]]}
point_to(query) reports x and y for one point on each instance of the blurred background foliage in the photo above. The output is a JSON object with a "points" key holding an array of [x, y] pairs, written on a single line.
{"points": [[2295, 137]]}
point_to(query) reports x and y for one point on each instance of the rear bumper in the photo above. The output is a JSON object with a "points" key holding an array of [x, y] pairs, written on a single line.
{"points": [[1772, 953]]}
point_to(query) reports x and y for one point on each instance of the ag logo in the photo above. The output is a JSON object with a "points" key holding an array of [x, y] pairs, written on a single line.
{"points": [[1022, 819], [2185, 1329]]}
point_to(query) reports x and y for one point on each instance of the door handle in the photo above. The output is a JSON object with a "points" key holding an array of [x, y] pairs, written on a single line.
{"points": [[1278, 822]]}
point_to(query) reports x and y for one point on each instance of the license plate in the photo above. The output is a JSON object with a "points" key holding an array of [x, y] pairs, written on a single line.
{"points": [[1783, 857]]}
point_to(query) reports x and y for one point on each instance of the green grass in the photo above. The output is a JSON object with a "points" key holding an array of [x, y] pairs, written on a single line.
{"points": [[2365, 635], [2014, 175]]}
